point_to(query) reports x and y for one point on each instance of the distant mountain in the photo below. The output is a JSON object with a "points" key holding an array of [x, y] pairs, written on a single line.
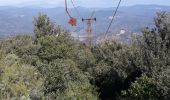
{"points": [[18, 20]]}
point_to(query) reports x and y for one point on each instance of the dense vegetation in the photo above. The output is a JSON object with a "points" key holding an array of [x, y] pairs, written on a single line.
{"points": [[54, 66]]}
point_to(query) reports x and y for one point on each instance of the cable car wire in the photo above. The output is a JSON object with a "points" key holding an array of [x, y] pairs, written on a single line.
{"points": [[66, 9], [77, 11], [114, 14]]}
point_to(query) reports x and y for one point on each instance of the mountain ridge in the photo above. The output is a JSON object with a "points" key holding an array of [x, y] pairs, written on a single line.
{"points": [[14, 20]]}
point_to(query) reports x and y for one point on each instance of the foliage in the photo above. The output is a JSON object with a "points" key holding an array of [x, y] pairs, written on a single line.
{"points": [[53, 65], [43, 26], [19, 80], [64, 78], [22, 46], [57, 57], [53, 47], [142, 89], [156, 52]]}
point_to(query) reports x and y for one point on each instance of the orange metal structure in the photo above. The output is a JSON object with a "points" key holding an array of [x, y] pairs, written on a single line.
{"points": [[89, 21], [72, 21]]}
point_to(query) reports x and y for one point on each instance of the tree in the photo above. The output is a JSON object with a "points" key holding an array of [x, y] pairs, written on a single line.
{"points": [[22, 46], [58, 63], [142, 89], [155, 52], [65, 80], [43, 26], [52, 47], [19, 81]]}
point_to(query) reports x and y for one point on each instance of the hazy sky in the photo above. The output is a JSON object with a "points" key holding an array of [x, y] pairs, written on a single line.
{"points": [[85, 3]]}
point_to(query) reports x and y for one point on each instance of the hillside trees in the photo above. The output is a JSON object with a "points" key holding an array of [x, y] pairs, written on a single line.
{"points": [[142, 89], [54, 66], [154, 53], [135, 68], [57, 61], [23, 46], [43, 26], [116, 67], [19, 81], [54, 53]]}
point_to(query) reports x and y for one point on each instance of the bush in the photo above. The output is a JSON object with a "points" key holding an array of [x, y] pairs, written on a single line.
{"points": [[19, 80], [143, 88]]}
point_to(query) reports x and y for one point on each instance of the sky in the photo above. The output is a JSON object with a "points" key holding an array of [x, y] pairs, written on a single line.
{"points": [[84, 3]]}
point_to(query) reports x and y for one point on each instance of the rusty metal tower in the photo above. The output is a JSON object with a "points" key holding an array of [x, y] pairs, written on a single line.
{"points": [[89, 30]]}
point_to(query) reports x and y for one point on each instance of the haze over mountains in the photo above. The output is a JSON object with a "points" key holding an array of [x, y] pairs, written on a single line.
{"points": [[18, 20]]}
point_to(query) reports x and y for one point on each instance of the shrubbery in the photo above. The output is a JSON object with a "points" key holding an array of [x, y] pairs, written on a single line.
{"points": [[52, 65]]}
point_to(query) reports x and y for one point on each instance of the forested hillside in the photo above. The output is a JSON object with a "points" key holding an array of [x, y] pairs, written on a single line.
{"points": [[52, 65]]}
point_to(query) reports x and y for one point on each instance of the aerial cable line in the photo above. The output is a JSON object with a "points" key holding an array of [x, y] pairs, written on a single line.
{"points": [[77, 11], [114, 14], [92, 14], [66, 9]]}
